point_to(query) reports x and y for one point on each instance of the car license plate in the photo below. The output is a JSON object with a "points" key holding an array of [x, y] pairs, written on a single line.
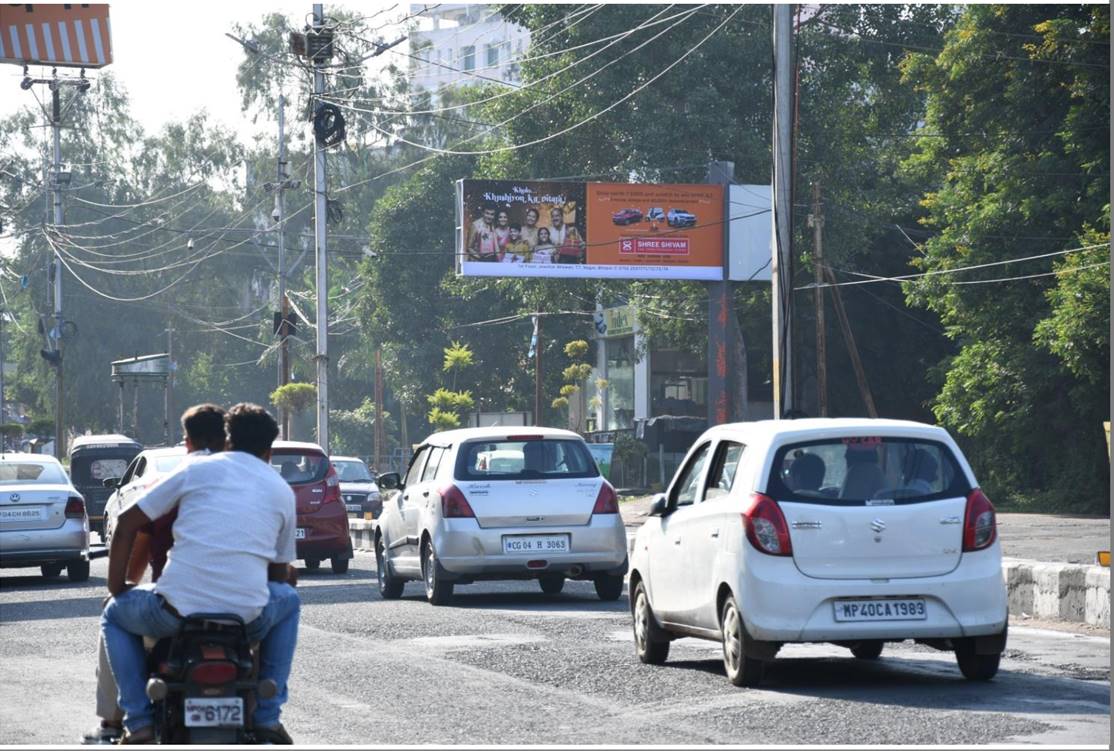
{"points": [[536, 544], [912, 609], [355, 508], [300, 533], [26, 514], [225, 712]]}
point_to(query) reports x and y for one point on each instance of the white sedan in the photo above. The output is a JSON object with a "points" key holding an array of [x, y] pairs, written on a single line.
{"points": [[850, 531], [499, 503]]}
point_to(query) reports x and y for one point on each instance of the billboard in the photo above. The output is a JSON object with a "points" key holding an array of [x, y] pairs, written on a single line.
{"points": [[590, 230], [749, 252], [74, 35]]}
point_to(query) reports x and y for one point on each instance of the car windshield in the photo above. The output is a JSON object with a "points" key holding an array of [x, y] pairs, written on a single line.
{"points": [[297, 467], [352, 472], [524, 459], [87, 470], [860, 469], [23, 472]]}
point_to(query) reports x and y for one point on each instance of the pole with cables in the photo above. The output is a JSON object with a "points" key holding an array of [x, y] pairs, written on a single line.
{"points": [[780, 269], [56, 127], [320, 211]]}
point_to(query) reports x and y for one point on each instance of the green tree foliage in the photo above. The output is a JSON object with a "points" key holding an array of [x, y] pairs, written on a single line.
{"points": [[352, 430], [295, 397], [1018, 102]]}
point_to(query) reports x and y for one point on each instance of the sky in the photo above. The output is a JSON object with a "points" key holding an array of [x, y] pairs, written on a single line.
{"points": [[174, 58]]}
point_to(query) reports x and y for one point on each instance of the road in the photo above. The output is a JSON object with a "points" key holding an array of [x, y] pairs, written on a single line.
{"points": [[506, 664]]}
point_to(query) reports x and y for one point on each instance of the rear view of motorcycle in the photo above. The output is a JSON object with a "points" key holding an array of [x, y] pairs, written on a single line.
{"points": [[204, 682]]}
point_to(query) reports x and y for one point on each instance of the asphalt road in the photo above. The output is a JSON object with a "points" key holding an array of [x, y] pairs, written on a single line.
{"points": [[506, 664]]}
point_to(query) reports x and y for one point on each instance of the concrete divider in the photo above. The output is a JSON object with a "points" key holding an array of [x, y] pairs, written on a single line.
{"points": [[1058, 591]]}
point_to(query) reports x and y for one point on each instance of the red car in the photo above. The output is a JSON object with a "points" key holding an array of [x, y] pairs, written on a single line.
{"points": [[322, 517], [626, 216]]}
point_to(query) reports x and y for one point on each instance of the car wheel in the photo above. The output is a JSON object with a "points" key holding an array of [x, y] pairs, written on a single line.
{"points": [[609, 586], [650, 641], [868, 650], [741, 670], [77, 571], [390, 587], [437, 590], [552, 584], [51, 570], [976, 667], [338, 564], [312, 564]]}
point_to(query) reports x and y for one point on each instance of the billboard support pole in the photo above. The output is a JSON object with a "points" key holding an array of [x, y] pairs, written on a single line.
{"points": [[720, 304], [780, 269], [538, 368]]}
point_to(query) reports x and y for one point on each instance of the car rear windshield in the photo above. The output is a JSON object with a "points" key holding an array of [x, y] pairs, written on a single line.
{"points": [[525, 459], [19, 473], [862, 469], [297, 467], [352, 472]]}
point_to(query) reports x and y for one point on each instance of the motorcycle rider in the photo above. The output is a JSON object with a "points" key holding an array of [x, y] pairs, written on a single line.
{"points": [[203, 427], [233, 546]]}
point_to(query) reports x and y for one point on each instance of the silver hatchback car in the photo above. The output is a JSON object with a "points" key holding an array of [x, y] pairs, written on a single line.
{"points": [[499, 503], [42, 517]]}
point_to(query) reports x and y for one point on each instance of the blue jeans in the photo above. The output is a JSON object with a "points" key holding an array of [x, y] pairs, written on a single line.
{"points": [[139, 612]]}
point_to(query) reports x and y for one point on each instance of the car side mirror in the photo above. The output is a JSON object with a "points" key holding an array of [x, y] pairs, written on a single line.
{"points": [[660, 506], [390, 481], [111, 482]]}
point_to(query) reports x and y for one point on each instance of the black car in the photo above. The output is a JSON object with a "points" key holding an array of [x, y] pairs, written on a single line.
{"points": [[94, 459]]}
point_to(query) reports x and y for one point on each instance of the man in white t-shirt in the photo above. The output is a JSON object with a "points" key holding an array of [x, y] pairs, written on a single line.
{"points": [[233, 546]]}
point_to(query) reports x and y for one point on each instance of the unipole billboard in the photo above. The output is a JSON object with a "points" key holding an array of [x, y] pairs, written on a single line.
{"points": [[73, 35], [561, 229]]}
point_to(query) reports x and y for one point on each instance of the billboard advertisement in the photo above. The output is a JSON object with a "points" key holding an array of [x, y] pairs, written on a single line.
{"points": [[749, 251], [72, 34], [590, 230]]}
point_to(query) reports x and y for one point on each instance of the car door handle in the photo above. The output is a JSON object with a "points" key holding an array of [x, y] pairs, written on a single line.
{"points": [[425, 494], [676, 540], [715, 533]]}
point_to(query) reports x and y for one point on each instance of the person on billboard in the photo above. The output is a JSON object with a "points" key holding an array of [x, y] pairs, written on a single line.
{"points": [[502, 229], [557, 226], [530, 229], [571, 249], [516, 250], [483, 244], [544, 250]]}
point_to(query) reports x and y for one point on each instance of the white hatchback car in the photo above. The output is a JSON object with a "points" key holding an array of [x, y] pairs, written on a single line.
{"points": [[851, 531], [499, 503]]}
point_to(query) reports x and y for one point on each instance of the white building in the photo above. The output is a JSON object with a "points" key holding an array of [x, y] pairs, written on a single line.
{"points": [[456, 44]]}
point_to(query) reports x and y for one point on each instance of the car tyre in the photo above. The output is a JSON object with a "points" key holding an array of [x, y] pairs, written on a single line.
{"points": [[437, 590], [741, 670], [339, 564], [551, 584], [609, 587], [390, 587], [77, 571], [976, 667], [868, 650], [51, 570], [651, 642], [312, 564]]}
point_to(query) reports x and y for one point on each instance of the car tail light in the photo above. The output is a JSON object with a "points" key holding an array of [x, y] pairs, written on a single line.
{"points": [[765, 526], [454, 505], [980, 527], [606, 501], [75, 508], [213, 673], [332, 486]]}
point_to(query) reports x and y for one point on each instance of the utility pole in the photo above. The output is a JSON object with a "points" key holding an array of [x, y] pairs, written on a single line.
{"points": [[781, 268], [538, 368], [853, 350], [56, 127], [282, 184], [379, 434], [169, 433], [320, 215], [816, 221]]}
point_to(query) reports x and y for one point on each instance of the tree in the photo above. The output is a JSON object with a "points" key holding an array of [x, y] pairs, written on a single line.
{"points": [[1018, 105], [295, 397]]}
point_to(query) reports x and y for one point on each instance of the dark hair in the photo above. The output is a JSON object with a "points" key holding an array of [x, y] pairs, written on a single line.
{"points": [[548, 234], [203, 424], [536, 212], [807, 471], [488, 207], [250, 428], [515, 226]]}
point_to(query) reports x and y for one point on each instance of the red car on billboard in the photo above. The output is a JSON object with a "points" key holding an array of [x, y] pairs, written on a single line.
{"points": [[626, 216]]}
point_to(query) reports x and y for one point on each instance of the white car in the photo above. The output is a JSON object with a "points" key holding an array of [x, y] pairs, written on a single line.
{"points": [[850, 531], [500, 503], [42, 517], [358, 489]]}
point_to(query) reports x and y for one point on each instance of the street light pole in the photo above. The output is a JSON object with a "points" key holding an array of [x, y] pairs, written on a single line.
{"points": [[780, 268]]}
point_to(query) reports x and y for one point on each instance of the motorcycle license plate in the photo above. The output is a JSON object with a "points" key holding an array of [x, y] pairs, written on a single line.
{"points": [[224, 712]]}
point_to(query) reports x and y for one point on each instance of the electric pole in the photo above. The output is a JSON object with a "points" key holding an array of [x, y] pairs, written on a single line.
{"points": [[816, 221], [279, 188], [320, 216], [781, 269], [379, 435], [169, 433], [56, 127]]}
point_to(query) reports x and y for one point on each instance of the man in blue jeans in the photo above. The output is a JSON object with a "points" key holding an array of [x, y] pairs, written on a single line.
{"points": [[233, 546]]}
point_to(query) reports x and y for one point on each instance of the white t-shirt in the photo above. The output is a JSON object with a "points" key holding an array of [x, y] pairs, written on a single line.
{"points": [[235, 517]]}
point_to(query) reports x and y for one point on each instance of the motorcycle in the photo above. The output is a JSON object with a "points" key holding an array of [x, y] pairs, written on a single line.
{"points": [[204, 682]]}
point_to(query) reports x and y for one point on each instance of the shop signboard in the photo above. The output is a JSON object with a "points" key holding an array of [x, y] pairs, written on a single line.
{"points": [[590, 230]]}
